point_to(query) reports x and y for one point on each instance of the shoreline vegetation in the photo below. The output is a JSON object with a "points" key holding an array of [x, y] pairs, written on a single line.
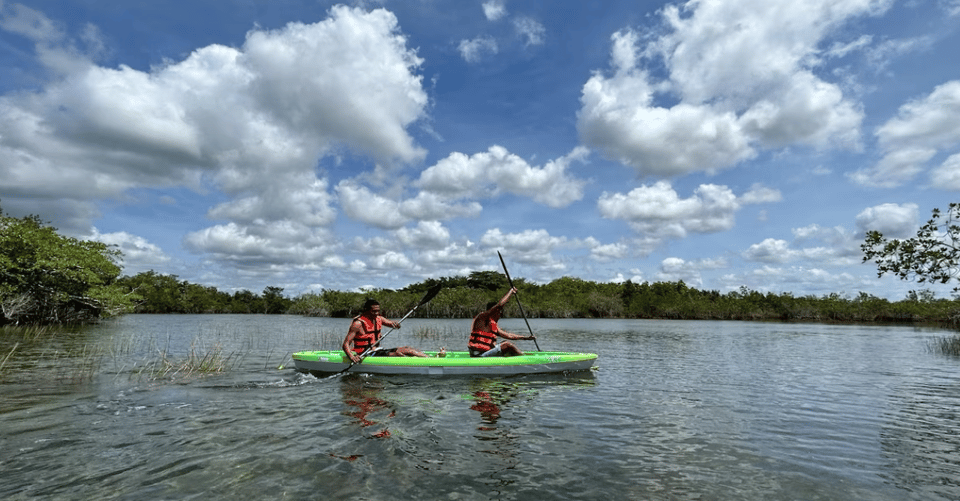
{"points": [[566, 297], [50, 279]]}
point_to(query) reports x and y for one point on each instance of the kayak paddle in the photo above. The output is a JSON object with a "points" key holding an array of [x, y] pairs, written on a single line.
{"points": [[507, 273]]}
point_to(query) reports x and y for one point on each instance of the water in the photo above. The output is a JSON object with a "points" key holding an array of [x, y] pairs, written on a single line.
{"points": [[675, 411]]}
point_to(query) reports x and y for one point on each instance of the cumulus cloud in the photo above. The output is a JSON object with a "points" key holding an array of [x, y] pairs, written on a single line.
{"points": [[771, 250], [426, 235], [922, 128], [740, 77], [287, 244], [893, 220], [248, 123], [657, 211], [674, 269], [139, 254], [497, 170]]}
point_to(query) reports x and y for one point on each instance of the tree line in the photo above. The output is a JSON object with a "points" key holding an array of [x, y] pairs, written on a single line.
{"points": [[49, 278]]}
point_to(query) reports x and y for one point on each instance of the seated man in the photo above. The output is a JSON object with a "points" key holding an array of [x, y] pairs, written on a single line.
{"points": [[365, 333], [484, 332]]}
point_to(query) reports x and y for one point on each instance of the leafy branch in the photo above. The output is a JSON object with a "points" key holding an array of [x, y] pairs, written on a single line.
{"points": [[932, 256]]}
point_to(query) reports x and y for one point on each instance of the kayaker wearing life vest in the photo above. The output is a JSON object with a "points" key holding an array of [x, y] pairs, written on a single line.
{"points": [[483, 334], [365, 332]]}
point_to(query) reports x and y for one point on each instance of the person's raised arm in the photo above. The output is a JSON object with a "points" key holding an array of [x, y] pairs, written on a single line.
{"points": [[504, 299]]}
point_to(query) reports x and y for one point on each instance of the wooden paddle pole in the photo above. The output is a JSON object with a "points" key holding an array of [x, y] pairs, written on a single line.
{"points": [[426, 298], [524, 315]]}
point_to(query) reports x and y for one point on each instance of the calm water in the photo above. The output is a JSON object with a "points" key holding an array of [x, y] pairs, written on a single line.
{"points": [[676, 411]]}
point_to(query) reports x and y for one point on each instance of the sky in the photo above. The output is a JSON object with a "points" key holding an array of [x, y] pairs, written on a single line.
{"points": [[312, 145]]}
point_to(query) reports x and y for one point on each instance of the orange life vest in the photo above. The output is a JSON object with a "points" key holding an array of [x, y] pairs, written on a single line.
{"points": [[369, 333], [483, 340]]}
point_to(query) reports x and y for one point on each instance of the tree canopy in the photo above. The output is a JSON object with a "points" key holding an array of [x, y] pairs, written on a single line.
{"points": [[49, 278]]}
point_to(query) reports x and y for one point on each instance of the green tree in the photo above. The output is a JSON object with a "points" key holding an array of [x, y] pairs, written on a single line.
{"points": [[931, 256], [49, 278], [274, 302]]}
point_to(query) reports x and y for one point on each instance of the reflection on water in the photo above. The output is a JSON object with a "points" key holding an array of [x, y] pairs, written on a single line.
{"points": [[366, 396], [675, 411]]}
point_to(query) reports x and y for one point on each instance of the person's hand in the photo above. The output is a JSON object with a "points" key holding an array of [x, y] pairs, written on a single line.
{"points": [[513, 290]]}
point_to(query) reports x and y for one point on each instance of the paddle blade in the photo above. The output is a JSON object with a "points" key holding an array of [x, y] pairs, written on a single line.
{"points": [[430, 294]]}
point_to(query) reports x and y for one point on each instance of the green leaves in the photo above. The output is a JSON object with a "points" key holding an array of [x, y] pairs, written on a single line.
{"points": [[932, 256], [49, 278]]}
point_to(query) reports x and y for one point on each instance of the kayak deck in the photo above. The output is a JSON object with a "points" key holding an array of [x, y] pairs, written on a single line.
{"points": [[454, 363]]}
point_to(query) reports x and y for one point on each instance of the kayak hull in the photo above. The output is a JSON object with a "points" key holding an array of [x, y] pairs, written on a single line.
{"points": [[455, 363]]}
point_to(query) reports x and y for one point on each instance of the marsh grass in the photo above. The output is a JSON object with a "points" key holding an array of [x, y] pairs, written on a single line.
{"points": [[48, 354], [198, 362], [946, 345]]}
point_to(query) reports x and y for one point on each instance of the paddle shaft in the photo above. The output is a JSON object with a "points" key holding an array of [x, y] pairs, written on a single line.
{"points": [[524, 315]]}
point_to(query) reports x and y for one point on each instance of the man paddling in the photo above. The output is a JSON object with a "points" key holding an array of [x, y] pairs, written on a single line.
{"points": [[365, 333], [484, 332]]}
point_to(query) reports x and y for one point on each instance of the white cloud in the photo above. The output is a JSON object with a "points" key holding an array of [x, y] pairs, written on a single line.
{"points": [[760, 194], [368, 207], [476, 49], [741, 76], [494, 10], [893, 220], [253, 121], [139, 254], [609, 252], [532, 248], [487, 174], [771, 250], [674, 269], [530, 30], [947, 175], [922, 128], [280, 244], [657, 211], [426, 235]]}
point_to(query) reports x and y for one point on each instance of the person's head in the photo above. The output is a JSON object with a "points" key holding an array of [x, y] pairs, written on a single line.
{"points": [[371, 307]]}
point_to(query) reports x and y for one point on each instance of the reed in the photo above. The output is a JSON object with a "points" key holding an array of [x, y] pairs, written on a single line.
{"points": [[423, 333], [4, 361], [27, 332], [946, 345], [198, 362]]}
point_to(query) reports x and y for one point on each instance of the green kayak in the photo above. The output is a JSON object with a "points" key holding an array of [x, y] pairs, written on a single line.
{"points": [[454, 363]]}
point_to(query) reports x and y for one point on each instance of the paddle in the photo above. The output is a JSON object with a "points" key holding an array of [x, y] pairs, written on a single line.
{"points": [[507, 273], [426, 298]]}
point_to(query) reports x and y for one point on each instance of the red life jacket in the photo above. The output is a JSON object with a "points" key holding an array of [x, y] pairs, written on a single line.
{"points": [[369, 333], [483, 340]]}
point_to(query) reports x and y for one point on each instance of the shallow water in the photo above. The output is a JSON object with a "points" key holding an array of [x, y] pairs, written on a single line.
{"points": [[675, 410]]}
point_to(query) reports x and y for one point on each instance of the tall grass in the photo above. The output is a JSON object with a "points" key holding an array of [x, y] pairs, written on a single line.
{"points": [[946, 345], [198, 362]]}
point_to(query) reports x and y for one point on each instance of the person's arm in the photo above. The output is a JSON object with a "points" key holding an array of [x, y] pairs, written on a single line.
{"points": [[391, 323], [515, 337], [348, 342], [504, 299]]}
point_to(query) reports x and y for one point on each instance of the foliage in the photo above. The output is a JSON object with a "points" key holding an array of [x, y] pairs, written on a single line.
{"points": [[932, 256], [157, 293], [49, 278]]}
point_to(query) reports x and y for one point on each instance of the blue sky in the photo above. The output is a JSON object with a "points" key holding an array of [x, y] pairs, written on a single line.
{"points": [[313, 145]]}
